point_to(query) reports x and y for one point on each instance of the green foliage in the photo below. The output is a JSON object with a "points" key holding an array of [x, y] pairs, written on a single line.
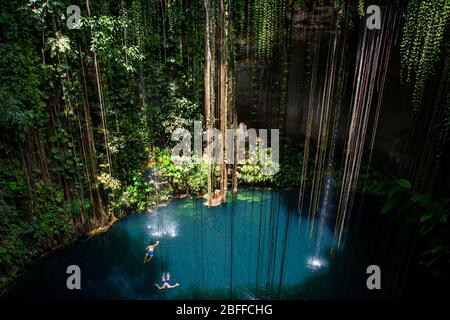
{"points": [[62, 156], [179, 112], [27, 234], [421, 209], [291, 161], [251, 173], [268, 17], [423, 35], [20, 74], [132, 197], [58, 173], [190, 177], [106, 34], [290, 166], [361, 4]]}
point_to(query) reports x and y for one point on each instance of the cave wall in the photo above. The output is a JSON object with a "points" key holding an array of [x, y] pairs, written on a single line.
{"points": [[258, 86]]}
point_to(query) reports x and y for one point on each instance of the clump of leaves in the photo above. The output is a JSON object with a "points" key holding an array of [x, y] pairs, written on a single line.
{"points": [[189, 177], [420, 208], [137, 195]]}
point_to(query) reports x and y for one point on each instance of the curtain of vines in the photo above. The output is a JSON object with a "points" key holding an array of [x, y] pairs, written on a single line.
{"points": [[84, 111]]}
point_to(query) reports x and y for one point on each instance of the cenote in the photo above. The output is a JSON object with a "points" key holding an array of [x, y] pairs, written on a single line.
{"points": [[254, 247], [277, 149]]}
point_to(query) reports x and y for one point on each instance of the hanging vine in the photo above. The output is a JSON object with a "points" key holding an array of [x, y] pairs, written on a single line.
{"points": [[268, 17], [423, 35]]}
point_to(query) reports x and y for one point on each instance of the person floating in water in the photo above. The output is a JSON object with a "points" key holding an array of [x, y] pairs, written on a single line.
{"points": [[150, 250], [166, 283]]}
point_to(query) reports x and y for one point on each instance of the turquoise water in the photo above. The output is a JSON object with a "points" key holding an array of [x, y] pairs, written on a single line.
{"points": [[254, 247]]}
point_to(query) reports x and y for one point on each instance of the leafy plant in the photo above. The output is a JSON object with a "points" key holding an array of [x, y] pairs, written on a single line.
{"points": [[188, 178], [430, 214]]}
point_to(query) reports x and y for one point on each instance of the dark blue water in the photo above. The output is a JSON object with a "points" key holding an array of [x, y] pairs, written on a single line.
{"points": [[254, 247]]}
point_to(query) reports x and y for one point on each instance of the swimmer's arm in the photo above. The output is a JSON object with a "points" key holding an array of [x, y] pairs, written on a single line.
{"points": [[174, 286], [160, 288]]}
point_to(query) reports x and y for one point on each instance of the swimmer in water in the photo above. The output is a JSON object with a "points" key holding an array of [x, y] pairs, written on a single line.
{"points": [[166, 283], [150, 250]]}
